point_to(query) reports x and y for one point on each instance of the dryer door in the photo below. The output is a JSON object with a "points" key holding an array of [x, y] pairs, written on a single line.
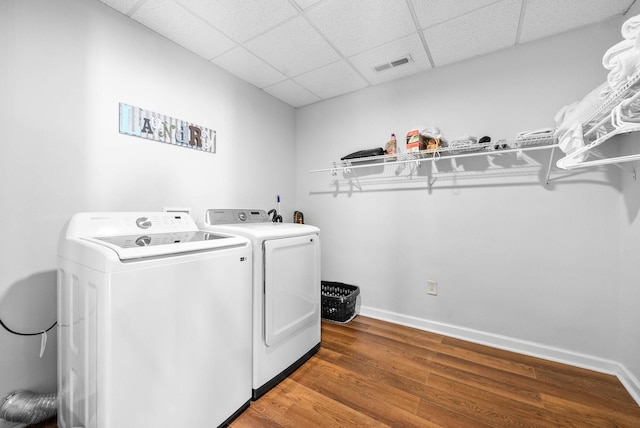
{"points": [[292, 286]]}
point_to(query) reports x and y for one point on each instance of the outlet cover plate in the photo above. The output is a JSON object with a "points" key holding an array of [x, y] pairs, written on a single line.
{"points": [[432, 287]]}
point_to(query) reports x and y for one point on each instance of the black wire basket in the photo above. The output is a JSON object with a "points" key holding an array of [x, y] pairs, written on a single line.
{"points": [[339, 301]]}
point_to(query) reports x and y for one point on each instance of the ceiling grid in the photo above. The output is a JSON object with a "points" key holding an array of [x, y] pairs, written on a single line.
{"points": [[304, 51]]}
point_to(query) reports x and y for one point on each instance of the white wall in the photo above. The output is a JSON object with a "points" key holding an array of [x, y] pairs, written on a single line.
{"points": [[629, 316], [65, 67], [519, 264]]}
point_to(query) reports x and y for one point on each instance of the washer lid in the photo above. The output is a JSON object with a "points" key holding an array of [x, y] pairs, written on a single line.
{"points": [[160, 244]]}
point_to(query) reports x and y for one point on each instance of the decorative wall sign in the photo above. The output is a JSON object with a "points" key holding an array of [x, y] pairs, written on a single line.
{"points": [[159, 127]]}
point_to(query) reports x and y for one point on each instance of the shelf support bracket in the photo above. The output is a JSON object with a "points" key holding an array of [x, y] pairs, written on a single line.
{"points": [[553, 150], [357, 181], [630, 170], [431, 182], [351, 172]]}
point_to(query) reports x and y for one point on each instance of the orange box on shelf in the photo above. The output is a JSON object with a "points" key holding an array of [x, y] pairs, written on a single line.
{"points": [[413, 141]]}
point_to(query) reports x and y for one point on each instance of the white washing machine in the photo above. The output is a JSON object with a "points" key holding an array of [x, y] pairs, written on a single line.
{"points": [[286, 290], [154, 322]]}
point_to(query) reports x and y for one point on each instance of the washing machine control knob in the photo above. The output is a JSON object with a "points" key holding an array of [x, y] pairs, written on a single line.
{"points": [[242, 216], [143, 223]]}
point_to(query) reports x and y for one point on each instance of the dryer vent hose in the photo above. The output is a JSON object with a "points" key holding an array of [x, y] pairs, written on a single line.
{"points": [[28, 407]]}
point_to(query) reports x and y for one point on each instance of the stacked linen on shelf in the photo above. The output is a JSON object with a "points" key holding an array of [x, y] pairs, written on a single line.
{"points": [[623, 62], [570, 120], [631, 28], [627, 113], [463, 143], [537, 134], [622, 59]]}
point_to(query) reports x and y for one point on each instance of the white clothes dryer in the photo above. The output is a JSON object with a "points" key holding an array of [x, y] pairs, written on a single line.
{"points": [[154, 322], [286, 290]]}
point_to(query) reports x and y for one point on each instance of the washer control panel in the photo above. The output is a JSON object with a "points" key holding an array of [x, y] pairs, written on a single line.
{"points": [[129, 223], [235, 216]]}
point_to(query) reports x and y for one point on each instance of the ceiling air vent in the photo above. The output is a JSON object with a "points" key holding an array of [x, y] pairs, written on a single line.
{"points": [[397, 63]]}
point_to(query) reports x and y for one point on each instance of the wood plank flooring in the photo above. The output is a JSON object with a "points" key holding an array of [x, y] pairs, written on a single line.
{"points": [[369, 373]]}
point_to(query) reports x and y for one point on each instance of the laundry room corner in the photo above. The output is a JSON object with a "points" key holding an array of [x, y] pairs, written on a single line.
{"points": [[485, 238], [42, 168], [239, 212], [629, 344], [72, 63]]}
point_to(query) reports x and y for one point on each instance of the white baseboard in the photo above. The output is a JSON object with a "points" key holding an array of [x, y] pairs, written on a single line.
{"points": [[532, 349], [630, 382]]}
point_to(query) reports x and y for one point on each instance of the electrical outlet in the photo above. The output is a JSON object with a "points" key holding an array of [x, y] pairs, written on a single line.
{"points": [[432, 287]]}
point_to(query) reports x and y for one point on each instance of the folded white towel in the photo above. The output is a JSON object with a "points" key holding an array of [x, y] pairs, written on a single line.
{"points": [[537, 133], [464, 139], [571, 141], [581, 111], [564, 112], [625, 66], [610, 57], [462, 143], [631, 27]]}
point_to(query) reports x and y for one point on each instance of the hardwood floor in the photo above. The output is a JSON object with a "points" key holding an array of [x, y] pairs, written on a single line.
{"points": [[369, 373]]}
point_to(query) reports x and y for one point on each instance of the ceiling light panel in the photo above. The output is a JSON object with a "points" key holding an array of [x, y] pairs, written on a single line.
{"points": [[177, 24], [546, 17], [355, 26], [293, 48], [241, 19], [475, 33]]}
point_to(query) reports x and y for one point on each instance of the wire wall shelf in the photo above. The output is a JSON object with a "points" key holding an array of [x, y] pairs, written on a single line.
{"points": [[518, 146], [618, 114]]}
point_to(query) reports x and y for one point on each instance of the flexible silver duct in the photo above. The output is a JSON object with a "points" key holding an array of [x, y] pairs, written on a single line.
{"points": [[28, 407]]}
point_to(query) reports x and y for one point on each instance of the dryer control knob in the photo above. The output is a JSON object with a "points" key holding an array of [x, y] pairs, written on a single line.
{"points": [[143, 241]]}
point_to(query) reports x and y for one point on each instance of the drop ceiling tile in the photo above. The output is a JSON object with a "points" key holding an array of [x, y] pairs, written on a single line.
{"points": [[293, 48], [176, 23], [292, 93], [122, 6], [410, 45], [485, 30], [546, 17], [241, 19], [355, 26], [248, 67], [432, 12], [332, 80]]}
